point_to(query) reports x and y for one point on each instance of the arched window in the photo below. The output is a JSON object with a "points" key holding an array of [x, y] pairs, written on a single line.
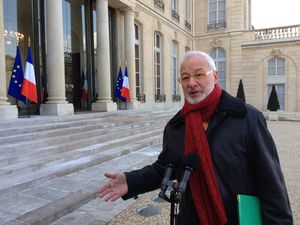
{"points": [[158, 76], [276, 76], [219, 56], [216, 14], [138, 69]]}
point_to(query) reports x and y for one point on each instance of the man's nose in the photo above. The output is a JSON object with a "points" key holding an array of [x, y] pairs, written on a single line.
{"points": [[192, 81]]}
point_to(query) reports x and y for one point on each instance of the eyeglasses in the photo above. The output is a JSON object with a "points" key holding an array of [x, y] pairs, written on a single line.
{"points": [[197, 77]]}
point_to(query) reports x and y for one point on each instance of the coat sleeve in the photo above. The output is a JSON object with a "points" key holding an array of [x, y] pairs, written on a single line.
{"points": [[147, 178], [268, 176]]}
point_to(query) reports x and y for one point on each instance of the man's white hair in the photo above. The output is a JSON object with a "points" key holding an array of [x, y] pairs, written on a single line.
{"points": [[209, 59]]}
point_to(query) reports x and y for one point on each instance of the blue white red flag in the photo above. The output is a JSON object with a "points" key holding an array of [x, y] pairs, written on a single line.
{"points": [[84, 87], [29, 84], [125, 87]]}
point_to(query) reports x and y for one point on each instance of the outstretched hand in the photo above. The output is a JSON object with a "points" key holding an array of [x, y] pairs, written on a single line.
{"points": [[115, 188]]}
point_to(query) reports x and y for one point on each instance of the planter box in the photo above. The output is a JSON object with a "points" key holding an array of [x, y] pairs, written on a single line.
{"points": [[273, 115]]}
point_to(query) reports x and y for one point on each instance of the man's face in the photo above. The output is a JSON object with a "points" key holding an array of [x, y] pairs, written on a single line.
{"points": [[197, 79]]}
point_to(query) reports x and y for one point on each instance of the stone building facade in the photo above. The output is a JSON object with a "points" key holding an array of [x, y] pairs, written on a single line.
{"points": [[90, 40]]}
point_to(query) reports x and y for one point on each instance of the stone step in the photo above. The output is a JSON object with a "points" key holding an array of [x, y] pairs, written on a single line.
{"points": [[85, 136], [55, 129], [20, 155], [50, 167], [75, 159], [99, 212], [58, 197], [27, 123]]}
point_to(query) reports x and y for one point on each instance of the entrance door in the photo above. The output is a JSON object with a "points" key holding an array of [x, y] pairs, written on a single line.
{"points": [[76, 17]]}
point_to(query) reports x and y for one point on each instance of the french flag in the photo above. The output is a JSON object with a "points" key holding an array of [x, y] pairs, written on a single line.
{"points": [[85, 93], [125, 87], [29, 84]]}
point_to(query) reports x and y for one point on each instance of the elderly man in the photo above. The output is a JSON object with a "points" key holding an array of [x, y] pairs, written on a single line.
{"points": [[236, 152]]}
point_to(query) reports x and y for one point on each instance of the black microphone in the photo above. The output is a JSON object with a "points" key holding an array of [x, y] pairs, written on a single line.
{"points": [[172, 162], [190, 164]]}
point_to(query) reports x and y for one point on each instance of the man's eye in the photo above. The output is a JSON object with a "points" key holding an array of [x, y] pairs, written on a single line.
{"points": [[185, 78], [199, 75]]}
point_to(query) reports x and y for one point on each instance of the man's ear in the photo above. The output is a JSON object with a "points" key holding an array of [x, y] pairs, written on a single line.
{"points": [[216, 76]]}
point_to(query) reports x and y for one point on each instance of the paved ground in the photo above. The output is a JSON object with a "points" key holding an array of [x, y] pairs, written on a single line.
{"points": [[287, 137]]}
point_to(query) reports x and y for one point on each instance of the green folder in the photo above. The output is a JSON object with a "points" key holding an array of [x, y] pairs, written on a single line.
{"points": [[249, 210]]}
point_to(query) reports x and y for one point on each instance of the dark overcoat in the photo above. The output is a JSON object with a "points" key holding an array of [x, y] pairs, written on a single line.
{"points": [[244, 157]]}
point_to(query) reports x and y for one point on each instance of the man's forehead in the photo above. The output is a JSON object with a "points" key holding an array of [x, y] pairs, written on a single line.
{"points": [[197, 68], [195, 63]]}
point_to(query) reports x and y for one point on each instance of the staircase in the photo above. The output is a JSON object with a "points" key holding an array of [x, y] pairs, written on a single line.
{"points": [[51, 167]]}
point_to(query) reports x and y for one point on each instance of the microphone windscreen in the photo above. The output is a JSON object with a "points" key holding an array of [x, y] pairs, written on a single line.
{"points": [[191, 160], [173, 159]]}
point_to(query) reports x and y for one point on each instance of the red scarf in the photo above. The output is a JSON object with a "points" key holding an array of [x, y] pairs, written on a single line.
{"points": [[206, 195]]}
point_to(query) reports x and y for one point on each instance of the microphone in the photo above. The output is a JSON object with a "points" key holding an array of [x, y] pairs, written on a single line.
{"points": [[190, 164], [172, 162]]}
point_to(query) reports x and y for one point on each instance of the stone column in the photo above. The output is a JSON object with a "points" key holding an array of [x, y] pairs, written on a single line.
{"points": [[56, 103], [130, 55], [104, 101], [7, 111]]}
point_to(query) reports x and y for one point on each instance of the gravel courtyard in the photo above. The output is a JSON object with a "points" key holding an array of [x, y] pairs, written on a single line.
{"points": [[287, 138]]}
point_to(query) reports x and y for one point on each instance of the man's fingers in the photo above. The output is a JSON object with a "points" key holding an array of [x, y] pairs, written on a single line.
{"points": [[104, 192], [110, 175], [110, 196], [104, 187], [115, 197]]}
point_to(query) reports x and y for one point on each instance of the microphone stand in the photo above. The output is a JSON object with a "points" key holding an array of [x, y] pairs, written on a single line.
{"points": [[173, 199]]}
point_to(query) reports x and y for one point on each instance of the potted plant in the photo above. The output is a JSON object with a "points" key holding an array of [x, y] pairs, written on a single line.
{"points": [[273, 104], [240, 92]]}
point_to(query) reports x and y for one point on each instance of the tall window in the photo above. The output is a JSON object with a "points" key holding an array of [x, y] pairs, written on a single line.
{"points": [[174, 69], [219, 56], [174, 10], [187, 10], [174, 5], [157, 65], [276, 67], [276, 76], [138, 75], [216, 14]]}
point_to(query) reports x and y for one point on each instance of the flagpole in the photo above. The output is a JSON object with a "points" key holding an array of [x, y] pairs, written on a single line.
{"points": [[16, 101], [126, 99], [27, 101]]}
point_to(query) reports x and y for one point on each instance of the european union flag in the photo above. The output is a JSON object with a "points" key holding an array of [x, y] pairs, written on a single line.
{"points": [[119, 86], [16, 79]]}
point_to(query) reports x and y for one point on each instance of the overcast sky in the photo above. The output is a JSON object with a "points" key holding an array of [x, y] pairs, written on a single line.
{"points": [[274, 13]]}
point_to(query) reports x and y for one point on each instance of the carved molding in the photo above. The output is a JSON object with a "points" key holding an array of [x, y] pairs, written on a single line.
{"points": [[158, 25], [216, 43], [175, 35], [275, 52]]}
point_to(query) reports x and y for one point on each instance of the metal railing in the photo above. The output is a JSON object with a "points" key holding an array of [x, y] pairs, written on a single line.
{"points": [[176, 98], [141, 97], [175, 15], [188, 25], [160, 4], [160, 98]]}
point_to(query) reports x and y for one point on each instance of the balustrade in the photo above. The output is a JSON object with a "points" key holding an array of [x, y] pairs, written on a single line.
{"points": [[277, 33]]}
